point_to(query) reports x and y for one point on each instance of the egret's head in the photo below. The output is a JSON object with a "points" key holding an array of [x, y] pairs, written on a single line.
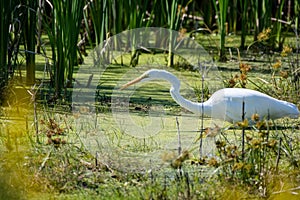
{"points": [[146, 76]]}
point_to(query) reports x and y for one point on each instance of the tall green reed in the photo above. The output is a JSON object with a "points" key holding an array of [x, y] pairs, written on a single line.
{"points": [[265, 14], [296, 13], [14, 19], [6, 10], [264, 18], [30, 40], [255, 10], [277, 27], [207, 11], [117, 10], [244, 25], [96, 13], [174, 15], [136, 18], [221, 8], [63, 35], [232, 17]]}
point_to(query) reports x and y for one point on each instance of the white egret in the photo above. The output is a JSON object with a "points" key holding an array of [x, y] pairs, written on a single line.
{"points": [[225, 104]]}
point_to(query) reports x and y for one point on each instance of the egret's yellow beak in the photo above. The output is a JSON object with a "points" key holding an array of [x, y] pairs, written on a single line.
{"points": [[132, 82]]}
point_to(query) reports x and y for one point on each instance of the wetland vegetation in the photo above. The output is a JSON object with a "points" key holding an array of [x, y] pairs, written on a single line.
{"points": [[69, 133]]}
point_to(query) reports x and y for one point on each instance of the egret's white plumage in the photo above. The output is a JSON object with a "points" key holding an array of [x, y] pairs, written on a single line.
{"points": [[226, 104]]}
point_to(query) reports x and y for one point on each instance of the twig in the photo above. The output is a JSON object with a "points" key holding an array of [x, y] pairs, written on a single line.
{"points": [[179, 139], [268, 127], [102, 164], [89, 81], [187, 180], [96, 158], [281, 21], [202, 111], [27, 130], [243, 130], [33, 92], [278, 154], [44, 161], [289, 190], [40, 12]]}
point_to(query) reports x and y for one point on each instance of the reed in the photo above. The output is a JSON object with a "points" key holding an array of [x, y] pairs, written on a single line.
{"points": [[244, 6], [232, 17], [96, 18], [117, 10], [6, 9], [207, 11], [278, 39], [221, 8], [30, 40], [63, 35], [174, 15], [11, 24], [296, 13], [136, 18]]}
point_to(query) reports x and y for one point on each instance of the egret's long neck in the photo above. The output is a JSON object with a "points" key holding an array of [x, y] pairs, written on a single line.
{"points": [[194, 107], [197, 108]]}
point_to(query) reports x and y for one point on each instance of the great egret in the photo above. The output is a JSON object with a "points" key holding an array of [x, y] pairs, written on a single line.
{"points": [[225, 104]]}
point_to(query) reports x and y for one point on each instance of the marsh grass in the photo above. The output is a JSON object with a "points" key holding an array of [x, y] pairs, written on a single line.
{"points": [[259, 173], [60, 165], [283, 66], [266, 157], [69, 169]]}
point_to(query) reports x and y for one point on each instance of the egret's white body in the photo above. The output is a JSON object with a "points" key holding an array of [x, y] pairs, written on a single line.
{"points": [[226, 104]]}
